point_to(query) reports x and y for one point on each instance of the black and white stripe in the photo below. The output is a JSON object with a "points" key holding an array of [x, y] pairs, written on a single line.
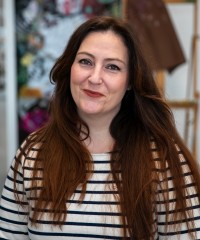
{"points": [[97, 217]]}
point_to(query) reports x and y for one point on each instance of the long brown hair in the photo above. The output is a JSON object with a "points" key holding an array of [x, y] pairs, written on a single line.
{"points": [[144, 118]]}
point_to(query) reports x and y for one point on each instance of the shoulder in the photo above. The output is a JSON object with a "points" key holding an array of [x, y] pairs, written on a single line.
{"points": [[167, 163], [28, 150]]}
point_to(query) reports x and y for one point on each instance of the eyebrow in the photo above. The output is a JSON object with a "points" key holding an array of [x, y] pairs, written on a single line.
{"points": [[107, 59]]}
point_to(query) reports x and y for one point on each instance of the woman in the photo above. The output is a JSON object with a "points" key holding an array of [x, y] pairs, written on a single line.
{"points": [[109, 164]]}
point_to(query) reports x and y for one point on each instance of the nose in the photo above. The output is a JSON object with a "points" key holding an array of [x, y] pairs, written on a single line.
{"points": [[96, 76]]}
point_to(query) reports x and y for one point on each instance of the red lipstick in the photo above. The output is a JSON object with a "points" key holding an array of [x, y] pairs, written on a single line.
{"points": [[92, 93]]}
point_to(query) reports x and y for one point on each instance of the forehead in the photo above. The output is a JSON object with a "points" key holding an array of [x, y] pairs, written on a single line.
{"points": [[103, 34], [104, 41]]}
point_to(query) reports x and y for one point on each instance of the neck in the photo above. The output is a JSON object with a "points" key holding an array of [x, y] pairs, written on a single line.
{"points": [[100, 140]]}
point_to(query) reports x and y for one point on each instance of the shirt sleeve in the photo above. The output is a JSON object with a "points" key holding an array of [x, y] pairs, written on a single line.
{"points": [[192, 200], [13, 216]]}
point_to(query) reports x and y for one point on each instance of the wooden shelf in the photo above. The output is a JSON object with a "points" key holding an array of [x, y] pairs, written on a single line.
{"points": [[183, 103], [175, 1]]}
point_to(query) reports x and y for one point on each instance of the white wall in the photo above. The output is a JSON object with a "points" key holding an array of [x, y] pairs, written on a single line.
{"points": [[10, 90], [10, 80], [182, 16]]}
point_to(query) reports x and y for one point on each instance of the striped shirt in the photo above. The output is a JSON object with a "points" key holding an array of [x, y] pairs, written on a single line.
{"points": [[97, 217]]}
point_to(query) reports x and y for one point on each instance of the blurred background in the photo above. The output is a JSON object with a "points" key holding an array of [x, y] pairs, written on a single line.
{"points": [[34, 33]]}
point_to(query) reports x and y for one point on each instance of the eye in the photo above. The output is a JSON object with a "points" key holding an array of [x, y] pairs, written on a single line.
{"points": [[85, 61], [113, 67]]}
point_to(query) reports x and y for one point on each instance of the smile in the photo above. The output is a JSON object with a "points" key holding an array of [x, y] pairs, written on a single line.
{"points": [[92, 93]]}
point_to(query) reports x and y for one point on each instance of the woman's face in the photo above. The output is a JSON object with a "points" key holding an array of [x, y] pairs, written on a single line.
{"points": [[99, 74]]}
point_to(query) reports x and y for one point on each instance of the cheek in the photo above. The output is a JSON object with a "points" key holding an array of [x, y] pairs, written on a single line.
{"points": [[119, 86], [77, 75], [73, 75], [76, 79], [120, 89], [73, 81]]}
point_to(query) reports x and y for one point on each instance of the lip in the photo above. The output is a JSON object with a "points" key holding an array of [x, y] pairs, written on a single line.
{"points": [[93, 94]]}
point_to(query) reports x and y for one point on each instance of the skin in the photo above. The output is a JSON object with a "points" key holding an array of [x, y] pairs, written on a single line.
{"points": [[99, 81]]}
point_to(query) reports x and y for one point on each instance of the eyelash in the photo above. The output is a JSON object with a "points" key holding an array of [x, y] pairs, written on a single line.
{"points": [[111, 67], [85, 62]]}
